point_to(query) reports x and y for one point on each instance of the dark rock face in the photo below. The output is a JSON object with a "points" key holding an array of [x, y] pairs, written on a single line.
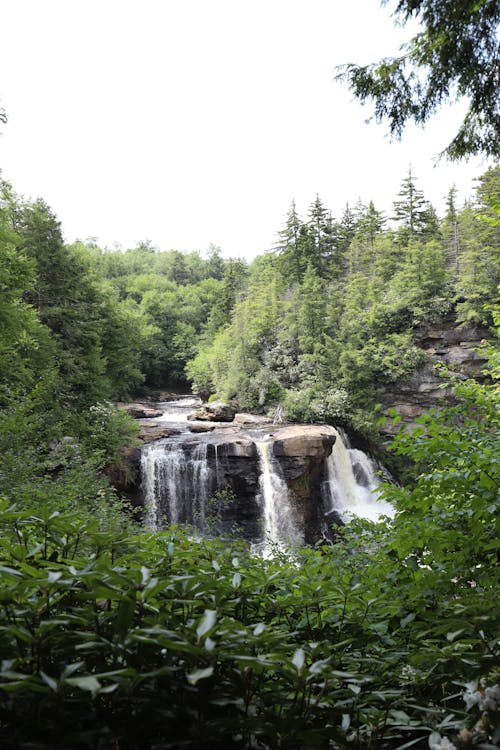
{"points": [[235, 468], [301, 451], [454, 347]]}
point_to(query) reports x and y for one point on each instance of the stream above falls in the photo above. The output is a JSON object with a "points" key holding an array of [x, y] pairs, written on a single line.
{"points": [[275, 485]]}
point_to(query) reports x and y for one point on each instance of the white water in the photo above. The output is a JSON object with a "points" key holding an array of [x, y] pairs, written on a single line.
{"points": [[352, 483], [176, 484], [177, 411], [279, 528]]}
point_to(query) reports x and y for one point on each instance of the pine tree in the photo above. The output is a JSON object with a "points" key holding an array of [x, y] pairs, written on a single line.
{"points": [[290, 245], [312, 312], [363, 248], [410, 210], [450, 231], [320, 227]]}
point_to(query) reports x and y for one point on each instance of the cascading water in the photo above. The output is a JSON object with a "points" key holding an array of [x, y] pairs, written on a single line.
{"points": [[352, 483], [279, 527], [176, 483], [236, 468]]}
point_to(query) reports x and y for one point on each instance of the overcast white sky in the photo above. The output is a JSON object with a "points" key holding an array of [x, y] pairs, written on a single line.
{"points": [[190, 122]]}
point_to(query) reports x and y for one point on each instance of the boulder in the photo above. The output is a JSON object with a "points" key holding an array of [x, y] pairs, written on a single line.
{"points": [[216, 412], [311, 441], [203, 427], [150, 431], [141, 411], [251, 419]]}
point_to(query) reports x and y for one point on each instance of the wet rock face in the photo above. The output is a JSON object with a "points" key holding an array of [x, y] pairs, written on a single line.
{"points": [[150, 430], [300, 452], [447, 344]]}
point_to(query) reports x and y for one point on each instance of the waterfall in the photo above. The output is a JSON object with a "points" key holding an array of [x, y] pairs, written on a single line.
{"points": [[352, 483], [279, 526], [176, 482]]}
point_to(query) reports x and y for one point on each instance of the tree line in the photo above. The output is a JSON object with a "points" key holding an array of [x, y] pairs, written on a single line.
{"points": [[327, 319]]}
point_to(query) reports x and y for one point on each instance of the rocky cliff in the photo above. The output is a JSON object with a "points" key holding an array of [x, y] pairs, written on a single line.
{"points": [[443, 343], [233, 471]]}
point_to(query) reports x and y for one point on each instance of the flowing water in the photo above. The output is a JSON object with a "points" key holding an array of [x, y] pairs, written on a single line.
{"points": [[181, 474], [280, 529], [176, 483], [352, 485]]}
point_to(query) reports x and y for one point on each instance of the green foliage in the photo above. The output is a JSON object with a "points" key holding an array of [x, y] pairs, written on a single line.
{"points": [[335, 307], [454, 54], [117, 639], [106, 430]]}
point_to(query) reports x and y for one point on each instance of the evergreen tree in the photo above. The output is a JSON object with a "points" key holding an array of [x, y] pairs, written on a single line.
{"points": [[455, 53], [67, 300], [289, 245], [450, 231], [362, 256], [311, 312], [320, 227], [410, 210], [478, 276]]}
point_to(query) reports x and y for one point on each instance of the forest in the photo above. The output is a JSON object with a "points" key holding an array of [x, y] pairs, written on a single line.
{"points": [[115, 637]]}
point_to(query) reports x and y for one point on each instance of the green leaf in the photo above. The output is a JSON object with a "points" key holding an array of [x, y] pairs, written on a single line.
{"points": [[199, 674], [49, 681], [54, 575], [236, 582], [10, 571], [298, 659], [125, 616], [207, 622], [451, 636], [86, 682]]}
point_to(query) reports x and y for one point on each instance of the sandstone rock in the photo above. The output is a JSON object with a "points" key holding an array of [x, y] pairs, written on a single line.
{"points": [[304, 440], [445, 343], [203, 427], [141, 411], [250, 419], [241, 447], [216, 412], [150, 431]]}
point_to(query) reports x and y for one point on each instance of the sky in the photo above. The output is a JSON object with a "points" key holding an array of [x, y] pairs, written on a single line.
{"points": [[197, 122]]}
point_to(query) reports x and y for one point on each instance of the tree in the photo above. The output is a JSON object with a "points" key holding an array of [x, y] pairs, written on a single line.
{"points": [[289, 245], [455, 55], [311, 311], [67, 300], [362, 251], [450, 227], [410, 209], [320, 227]]}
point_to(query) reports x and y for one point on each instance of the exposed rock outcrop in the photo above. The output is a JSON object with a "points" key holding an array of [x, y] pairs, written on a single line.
{"points": [[216, 412], [300, 450], [242, 418], [140, 411], [233, 460], [457, 348], [150, 430]]}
